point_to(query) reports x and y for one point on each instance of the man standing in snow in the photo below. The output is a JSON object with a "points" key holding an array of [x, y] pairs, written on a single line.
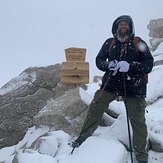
{"points": [[125, 66]]}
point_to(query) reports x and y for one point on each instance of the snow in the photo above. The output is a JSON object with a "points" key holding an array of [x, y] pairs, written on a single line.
{"points": [[95, 146], [35, 157], [142, 47], [158, 53], [28, 140], [155, 86], [105, 145], [18, 82]]}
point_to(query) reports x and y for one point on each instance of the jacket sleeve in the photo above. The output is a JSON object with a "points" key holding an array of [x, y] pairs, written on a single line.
{"points": [[103, 55], [145, 62]]}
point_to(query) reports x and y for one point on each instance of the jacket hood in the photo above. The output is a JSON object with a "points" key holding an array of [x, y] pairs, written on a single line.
{"points": [[115, 25]]}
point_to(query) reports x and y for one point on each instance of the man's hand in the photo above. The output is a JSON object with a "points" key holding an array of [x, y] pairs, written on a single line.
{"points": [[113, 65], [123, 66]]}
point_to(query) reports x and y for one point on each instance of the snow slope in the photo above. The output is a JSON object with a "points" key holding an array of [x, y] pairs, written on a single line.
{"points": [[105, 145]]}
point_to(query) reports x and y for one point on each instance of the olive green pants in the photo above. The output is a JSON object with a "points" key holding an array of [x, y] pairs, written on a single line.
{"points": [[136, 114]]}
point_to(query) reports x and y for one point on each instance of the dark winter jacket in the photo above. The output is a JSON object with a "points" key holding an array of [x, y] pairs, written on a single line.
{"points": [[139, 64]]}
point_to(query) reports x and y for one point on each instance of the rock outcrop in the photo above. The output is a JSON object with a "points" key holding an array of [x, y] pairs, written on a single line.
{"points": [[155, 32], [64, 113], [24, 96]]}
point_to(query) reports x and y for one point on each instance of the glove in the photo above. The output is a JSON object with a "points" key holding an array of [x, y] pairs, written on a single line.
{"points": [[123, 66], [113, 65]]}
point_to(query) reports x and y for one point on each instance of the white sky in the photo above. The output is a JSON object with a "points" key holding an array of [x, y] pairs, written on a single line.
{"points": [[36, 32]]}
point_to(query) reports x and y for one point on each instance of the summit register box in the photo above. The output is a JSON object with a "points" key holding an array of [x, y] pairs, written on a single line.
{"points": [[75, 54], [75, 70]]}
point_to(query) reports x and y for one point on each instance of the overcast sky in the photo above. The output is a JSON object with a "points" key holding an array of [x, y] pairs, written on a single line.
{"points": [[36, 32]]}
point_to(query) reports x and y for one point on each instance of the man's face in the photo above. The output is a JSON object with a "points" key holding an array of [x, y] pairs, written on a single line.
{"points": [[123, 28]]}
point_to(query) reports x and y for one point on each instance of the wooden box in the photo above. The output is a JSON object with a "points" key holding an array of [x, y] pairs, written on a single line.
{"points": [[75, 72], [75, 54]]}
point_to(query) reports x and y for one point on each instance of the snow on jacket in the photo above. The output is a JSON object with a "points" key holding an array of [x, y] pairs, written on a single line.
{"points": [[139, 64]]}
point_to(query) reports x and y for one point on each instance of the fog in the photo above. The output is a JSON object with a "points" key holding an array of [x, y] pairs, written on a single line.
{"points": [[36, 32]]}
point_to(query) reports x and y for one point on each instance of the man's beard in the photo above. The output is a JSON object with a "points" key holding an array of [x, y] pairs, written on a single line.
{"points": [[122, 36]]}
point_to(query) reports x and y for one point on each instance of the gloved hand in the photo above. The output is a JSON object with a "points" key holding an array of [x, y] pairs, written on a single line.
{"points": [[123, 66], [113, 65]]}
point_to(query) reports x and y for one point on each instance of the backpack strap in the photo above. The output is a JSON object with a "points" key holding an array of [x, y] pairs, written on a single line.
{"points": [[136, 42], [111, 45]]}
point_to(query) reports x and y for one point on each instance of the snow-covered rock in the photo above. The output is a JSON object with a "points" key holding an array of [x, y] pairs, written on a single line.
{"points": [[155, 86], [64, 113]]}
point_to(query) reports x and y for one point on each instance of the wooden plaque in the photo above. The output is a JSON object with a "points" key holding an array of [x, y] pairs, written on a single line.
{"points": [[75, 54], [75, 72]]}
